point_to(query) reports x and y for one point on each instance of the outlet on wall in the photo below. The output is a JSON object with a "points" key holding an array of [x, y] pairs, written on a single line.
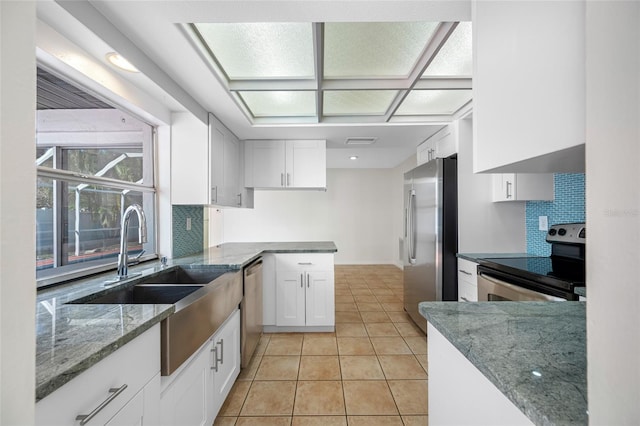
{"points": [[188, 224], [543, 223]]}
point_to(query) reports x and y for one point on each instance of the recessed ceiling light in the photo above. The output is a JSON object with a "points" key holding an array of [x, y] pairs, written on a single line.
{"points": [[118, 61], [353, 157]]}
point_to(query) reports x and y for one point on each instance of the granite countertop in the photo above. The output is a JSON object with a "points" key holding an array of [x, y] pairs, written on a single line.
{"points": [[475, 257], [507, 341], [72, 338]]}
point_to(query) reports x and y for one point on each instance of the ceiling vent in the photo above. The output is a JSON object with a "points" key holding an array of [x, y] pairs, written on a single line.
{"points": [[360, 141]]}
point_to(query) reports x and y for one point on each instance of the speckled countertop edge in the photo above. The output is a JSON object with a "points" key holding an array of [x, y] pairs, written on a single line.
{"points": [[72, 338], [507, 341], [475, 257]]}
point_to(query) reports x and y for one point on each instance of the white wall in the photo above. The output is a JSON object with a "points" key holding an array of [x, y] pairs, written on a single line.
{"points": [[17, 212], [484, 226], [613, 212], [357, 212]]}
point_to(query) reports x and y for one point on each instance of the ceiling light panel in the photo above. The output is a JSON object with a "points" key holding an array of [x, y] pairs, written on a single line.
{"points": [[261, 50], [280, 103], [430, 102], [357, 102], [373, 49], [454, 59]]}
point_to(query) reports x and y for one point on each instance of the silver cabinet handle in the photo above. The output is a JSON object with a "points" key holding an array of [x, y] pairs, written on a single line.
{"points": [[305, 263], [307, 280], [239, 199], [85, 418], [301, 280], [288, 179], [508, 189], [214, 351], [465, 272], [214, 194], [221, 359], [281, 179]]}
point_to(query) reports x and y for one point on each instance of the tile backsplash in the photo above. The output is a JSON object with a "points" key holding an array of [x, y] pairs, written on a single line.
{"points": [[186, 242], [568, 206]]}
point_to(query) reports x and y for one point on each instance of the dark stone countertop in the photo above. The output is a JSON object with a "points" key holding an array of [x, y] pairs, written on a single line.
{"points": [[508, 341], [72, 338], [475, 257]]}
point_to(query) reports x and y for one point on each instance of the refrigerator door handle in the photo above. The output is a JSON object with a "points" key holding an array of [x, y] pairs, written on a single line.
{"points": [[412, 236]]}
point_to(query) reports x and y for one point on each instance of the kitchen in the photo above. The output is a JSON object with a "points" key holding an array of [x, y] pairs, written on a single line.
{"points": [[612, 206]]}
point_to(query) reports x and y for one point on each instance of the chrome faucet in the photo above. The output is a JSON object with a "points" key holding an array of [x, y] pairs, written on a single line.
{"points": [[123, 258]]}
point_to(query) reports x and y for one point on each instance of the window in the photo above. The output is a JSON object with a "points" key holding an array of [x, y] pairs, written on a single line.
{"points": [[93, 161]]}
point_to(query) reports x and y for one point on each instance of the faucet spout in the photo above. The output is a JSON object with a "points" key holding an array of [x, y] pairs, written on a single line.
{"points": [[123, 257]]}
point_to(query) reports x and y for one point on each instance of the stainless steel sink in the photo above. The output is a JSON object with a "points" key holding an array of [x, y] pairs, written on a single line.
{"points": [[203, 298]]}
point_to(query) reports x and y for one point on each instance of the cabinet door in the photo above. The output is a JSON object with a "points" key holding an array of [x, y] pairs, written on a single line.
{"points": [[506, 101], [306, 164], [188, 400], [226, 365], [504, 187], [216, 152], [131, 414], [268, 168], [446, 143], [290, 298], [320, 306], [231, 172], [189, 160]]}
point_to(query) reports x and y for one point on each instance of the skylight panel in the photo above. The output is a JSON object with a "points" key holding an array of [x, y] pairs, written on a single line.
{"points": [[261, 50], [433, 102], [454, 58], [358, 102], [280, 103], [374, 49]]}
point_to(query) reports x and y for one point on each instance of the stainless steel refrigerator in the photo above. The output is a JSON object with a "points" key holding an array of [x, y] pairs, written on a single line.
{"points": [[431, 235]]}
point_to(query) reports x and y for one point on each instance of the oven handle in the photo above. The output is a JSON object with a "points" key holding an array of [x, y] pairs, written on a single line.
{"points": [[488, 285]]}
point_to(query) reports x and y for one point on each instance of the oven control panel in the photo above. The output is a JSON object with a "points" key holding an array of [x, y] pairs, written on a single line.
{"points": [[568, 233]]}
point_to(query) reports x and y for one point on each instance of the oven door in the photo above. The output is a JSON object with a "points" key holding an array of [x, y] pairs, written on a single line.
{"points": [[492, 289]]}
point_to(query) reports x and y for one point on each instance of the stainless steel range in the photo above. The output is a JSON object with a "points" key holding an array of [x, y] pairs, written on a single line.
{"points": [[538, 278]]}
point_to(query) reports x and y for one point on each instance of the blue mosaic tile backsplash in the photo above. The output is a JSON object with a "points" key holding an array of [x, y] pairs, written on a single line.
{"points": [[567, 207], [187, 242]]}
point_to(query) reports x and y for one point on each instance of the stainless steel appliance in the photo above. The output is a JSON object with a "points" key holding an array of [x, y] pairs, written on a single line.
{"points": [[538, 278], [251, 311], [431, 235]]}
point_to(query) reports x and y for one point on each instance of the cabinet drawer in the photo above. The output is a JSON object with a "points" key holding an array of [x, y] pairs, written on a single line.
{"points": [[133, 365], [467, 292], [305, 261], [468, 269]]}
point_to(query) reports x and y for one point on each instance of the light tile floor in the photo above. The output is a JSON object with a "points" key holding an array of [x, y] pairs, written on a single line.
{"points": [[371, 371]]}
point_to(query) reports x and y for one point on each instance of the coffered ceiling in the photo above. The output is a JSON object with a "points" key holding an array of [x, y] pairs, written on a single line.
{"points": [[392, 71]]}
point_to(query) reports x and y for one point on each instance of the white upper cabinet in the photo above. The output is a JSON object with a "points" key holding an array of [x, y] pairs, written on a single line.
{"points": [[206, 164], [282, 164], [523, 187], [528, 86], [442, 144]]}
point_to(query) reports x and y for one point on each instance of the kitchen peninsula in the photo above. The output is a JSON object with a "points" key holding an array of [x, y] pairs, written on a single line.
{"points": [[533, 353]]}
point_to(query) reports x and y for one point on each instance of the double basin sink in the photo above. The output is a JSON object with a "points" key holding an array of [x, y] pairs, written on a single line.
{"points": [[203, 299]]}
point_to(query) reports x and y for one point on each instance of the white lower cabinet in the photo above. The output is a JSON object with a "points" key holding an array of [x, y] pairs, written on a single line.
{"points": [[467, 281], [194, 393], [121, 389], [305, 291], [459, 394]]}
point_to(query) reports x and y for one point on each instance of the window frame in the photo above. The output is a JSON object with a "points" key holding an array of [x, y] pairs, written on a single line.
{"points": [[62, 273]]}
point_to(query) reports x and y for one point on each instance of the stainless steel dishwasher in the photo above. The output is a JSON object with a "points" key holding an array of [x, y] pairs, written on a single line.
{"points": [[251, 311]]}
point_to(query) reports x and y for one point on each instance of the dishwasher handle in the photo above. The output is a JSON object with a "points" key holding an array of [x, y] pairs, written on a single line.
{"points": [[253, 268]]}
